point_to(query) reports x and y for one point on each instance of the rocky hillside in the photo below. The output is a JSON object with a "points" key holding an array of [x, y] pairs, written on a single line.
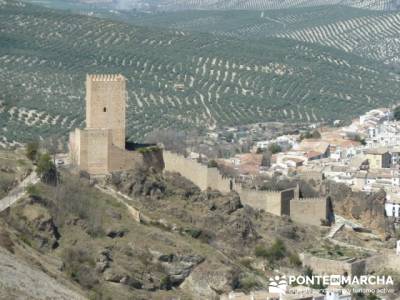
{"points": [[190, 243], [365, 209]]}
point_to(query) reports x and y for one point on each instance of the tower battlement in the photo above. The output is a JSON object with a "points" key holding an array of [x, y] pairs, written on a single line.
{"points": [[105, 77]]}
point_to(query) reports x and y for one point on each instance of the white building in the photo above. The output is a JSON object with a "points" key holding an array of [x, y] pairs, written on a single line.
{"points": [[392, 205], [285, 142], [385, 134], [375, 116], [338, 294], [398, 248]]}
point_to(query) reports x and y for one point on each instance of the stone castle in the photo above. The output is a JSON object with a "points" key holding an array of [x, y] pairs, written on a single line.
{"points": [[99, 149]]}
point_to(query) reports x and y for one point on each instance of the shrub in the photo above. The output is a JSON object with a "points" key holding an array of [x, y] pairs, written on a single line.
{"points": [[260, 251], [165, 283], [193, 232], [46, 169], [79, 265], [212, 164], [248, 283], [246, 262], [274, 148], [294, 259], [276, 252], [32, 151], [396, 113], [33, 191], [6, 242], [310, 135]]}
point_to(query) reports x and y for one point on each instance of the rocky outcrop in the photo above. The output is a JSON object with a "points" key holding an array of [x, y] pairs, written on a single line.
{"points": [[208, 281], [140, 182], [177, 267], [35, 220], [103, 260], [367, 209]]}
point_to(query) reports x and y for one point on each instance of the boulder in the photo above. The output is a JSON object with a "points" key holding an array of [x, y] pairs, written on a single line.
{"points": [[208, 281], [103, 260]]}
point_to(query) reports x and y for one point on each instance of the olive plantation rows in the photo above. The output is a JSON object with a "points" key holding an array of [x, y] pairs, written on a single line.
{"points": [[370, 34], [175, 78], [271, 4]]}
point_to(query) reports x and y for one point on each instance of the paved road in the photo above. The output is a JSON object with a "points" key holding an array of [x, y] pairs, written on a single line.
{"points": [[18, 192]]}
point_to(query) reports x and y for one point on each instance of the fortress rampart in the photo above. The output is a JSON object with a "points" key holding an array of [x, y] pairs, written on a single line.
{"points": [[326, 266], [308, 211]]}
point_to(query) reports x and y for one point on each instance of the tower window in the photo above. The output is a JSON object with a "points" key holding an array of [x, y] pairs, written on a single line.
{"points": [[104, 109]]}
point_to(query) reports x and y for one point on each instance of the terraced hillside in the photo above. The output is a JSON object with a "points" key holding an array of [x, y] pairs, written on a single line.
{"points": [[272, 4], [376, 37], [371, 34], [176, 79], [254, 24], [165, 5]]}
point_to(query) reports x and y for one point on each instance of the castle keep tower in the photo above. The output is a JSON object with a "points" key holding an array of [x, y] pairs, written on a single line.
{"points": [[100, 148], [105, 105]]}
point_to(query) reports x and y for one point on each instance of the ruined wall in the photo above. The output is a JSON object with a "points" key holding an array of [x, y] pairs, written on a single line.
{"points": [[105, 105], [324, 266], [308, 210]]}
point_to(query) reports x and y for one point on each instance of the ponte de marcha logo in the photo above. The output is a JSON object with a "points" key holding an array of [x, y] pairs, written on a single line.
{"points": [[280, 284]]}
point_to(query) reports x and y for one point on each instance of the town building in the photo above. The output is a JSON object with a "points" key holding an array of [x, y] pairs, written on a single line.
{"points": [[378, 158]]}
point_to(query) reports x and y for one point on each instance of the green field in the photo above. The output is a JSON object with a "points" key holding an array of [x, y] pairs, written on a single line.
{"points": [[45, 54]]}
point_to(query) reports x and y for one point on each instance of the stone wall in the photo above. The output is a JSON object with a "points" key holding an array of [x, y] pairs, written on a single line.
{"points": [[269, 201], [94, 146], [190, 169], [383, 260], [91, 150], [273, 202], [325, 266], [309, 210], [123, 160]]}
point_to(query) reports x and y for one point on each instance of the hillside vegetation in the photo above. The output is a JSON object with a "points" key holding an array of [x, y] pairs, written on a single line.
{"points": [[272, 4], [45, 54], [164, 5], [370, 34]]}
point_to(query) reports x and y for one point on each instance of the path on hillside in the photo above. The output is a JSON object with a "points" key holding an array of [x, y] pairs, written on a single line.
{"points": [[18, 192], [133, 211]]}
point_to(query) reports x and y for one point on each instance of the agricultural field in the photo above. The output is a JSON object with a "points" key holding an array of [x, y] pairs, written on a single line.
{"points": [[371, 34], [272, 4], [171, 5], [45, 55]]}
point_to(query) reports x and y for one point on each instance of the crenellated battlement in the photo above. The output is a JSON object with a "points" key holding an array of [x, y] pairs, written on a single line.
{"points": [[105, 77]]}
